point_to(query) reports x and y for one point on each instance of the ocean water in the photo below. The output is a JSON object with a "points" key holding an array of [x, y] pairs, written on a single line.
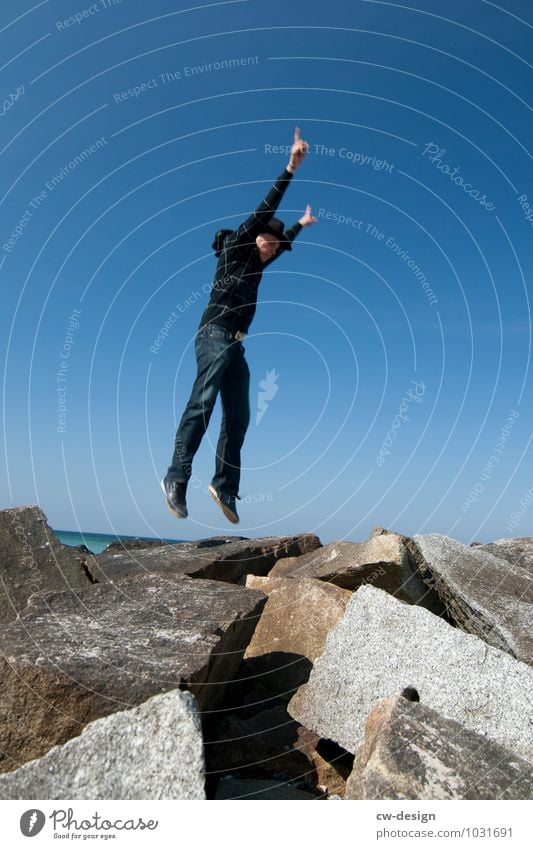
{"points": [[95, 542]]}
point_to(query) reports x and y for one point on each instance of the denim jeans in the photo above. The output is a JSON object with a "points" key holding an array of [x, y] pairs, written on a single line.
{"points": [[221, 368]]}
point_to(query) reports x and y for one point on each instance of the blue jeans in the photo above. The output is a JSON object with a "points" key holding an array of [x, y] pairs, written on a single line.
{"points": [[221, 368]]}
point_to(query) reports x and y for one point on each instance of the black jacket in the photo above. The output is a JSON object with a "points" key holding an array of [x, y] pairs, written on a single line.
{"points": [[233, 297]]}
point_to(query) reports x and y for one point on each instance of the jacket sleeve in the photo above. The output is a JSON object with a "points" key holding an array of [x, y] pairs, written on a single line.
{"points": [[292, 232], [247, 232]]}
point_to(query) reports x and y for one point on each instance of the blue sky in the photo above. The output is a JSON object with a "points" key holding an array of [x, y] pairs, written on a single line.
{"points": [[397, 333]]}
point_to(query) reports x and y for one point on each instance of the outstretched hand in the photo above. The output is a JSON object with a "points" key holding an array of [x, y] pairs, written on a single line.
{"points": [[307, 218], [299, 149]]}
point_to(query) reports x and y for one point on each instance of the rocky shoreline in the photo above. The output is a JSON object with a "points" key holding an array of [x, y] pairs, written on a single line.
{"points": [[269, 668]]}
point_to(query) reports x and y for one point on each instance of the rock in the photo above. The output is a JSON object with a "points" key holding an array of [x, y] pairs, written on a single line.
{"points": [[332, 763], [484, 595], [132, 544], [412, 752], [270, 744], [518, 551], [264, 745], [81, 548], [350, 564], [121, 545], [213, 558], [231, 788], [33, 560], [382, 646], [154, 751], [69, 660], [382, 560], [292, 629]]}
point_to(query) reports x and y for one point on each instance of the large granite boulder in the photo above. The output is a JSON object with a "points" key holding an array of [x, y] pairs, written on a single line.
{"points": [[154, 751], [70, 660], [383, 646], [516, 550], [122, 544], [292, 629], [485, 595], [412, 752], [383, 561], [214, 558], [33, 560]]}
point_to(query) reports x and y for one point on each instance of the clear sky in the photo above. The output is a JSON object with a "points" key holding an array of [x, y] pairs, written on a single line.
{"points": [[395, 338]]}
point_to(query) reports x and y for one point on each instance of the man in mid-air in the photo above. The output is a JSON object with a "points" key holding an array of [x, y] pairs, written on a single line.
{"points": [[243, 254]]}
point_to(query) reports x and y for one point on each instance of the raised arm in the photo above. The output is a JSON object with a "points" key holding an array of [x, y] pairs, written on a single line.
{"points": [[255, 223], [306, 219], [291, 232]]}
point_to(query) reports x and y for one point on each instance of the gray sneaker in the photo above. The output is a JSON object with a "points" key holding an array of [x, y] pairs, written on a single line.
{"points": [[226, 503], [175, 495]]}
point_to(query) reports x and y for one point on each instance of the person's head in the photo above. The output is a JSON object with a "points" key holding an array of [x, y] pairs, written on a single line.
{"points": [[267, 245]]}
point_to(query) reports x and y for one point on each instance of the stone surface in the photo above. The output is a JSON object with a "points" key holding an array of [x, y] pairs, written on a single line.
{"points": [[232, 788], [266, 744], [412, 752], [270, 744], [382, 560], [292, 629], [516, 550], [154, 751], [485, 595], [68, 661], [33, 560], [212, 558], [382, 646], [120, 546], [332, 763]]}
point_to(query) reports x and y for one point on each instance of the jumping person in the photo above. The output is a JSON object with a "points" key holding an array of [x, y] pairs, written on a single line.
{"points": [[243, 254]]}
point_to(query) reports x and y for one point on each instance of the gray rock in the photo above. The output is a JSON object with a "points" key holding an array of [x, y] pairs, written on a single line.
{"points": [[119, 546], [154, 751], [411, 752], [122, 545], [516, 550], [214, 558], [70, 660], [285, 643], [383, 561], [349, 564], [484, 595], [382, 646], [33, 560]]}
